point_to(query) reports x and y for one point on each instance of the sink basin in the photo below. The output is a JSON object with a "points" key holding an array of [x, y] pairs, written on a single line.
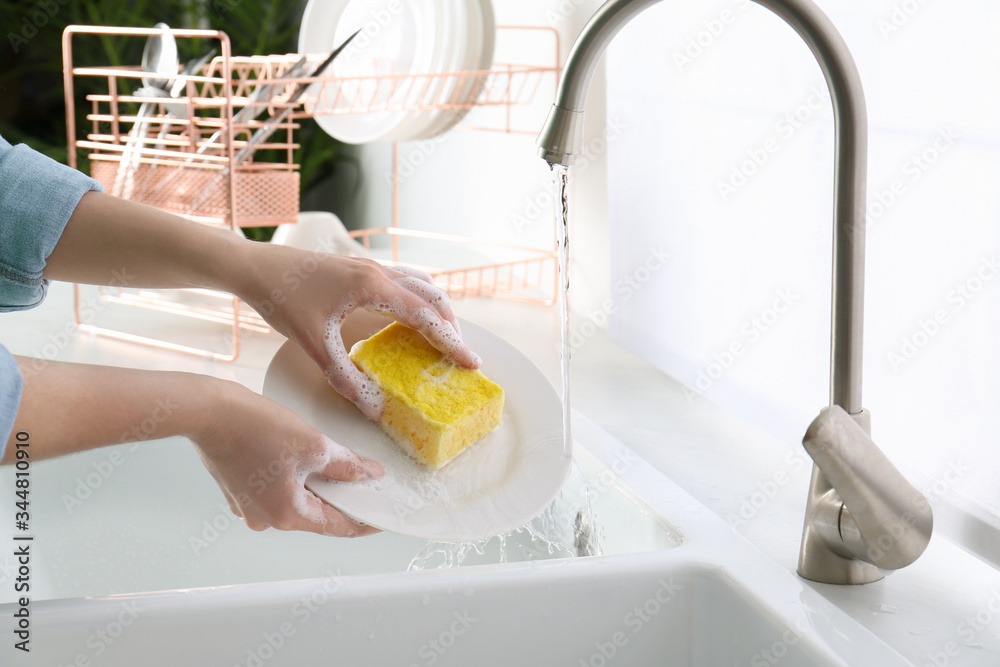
{"points": [[675, 586], [549, 614]]}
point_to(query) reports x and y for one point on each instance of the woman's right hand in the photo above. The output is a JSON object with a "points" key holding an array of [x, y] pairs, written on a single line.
{"points": [[308, 297]]}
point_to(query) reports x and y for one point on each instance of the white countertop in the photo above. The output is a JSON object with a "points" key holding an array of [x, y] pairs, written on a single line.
{"points": [[943, 610]]}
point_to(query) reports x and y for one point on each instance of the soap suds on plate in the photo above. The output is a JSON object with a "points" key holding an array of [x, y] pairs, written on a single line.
{"points": [[407, 482]]}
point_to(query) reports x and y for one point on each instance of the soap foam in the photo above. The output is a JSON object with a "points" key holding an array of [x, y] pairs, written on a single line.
{"points": [[439, 331], [406, 482], [305, 503], [438, 373], [442, 335], [333, 452], [433, 295], [343, 374], [413, 272]]}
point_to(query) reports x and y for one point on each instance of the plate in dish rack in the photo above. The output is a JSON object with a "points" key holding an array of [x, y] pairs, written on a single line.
{"points": [[492, 488], [397, 39], [480, 30]]}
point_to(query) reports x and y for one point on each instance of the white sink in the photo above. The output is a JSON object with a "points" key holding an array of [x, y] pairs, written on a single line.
{"points": [[676, 587]]}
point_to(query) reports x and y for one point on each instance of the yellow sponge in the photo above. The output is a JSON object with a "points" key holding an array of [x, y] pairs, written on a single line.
{"points": [[434, 409]]}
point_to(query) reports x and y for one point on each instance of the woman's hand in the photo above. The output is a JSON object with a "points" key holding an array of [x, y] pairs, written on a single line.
{"points": [[258, 451], [308, 296], [260, 454]]}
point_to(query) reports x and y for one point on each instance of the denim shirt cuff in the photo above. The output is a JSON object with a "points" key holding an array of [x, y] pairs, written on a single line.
{"points": [[37, 197], [10, 395]]}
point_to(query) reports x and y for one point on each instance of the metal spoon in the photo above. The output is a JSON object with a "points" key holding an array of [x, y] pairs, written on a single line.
{"points": [[159, 56], [180, 83]]}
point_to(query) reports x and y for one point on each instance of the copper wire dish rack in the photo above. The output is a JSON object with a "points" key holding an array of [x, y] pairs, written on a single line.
{"points": [[187, 156]]}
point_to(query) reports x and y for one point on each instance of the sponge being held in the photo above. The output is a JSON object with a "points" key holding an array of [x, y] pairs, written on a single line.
{"points": [[434, 409]]}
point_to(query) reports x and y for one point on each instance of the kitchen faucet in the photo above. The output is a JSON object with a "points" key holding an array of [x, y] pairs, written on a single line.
{"points": [[862, 516]]}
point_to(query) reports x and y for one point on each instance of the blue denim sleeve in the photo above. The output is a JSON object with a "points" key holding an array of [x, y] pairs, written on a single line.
{"points": [[10, 395], [37, 197]]}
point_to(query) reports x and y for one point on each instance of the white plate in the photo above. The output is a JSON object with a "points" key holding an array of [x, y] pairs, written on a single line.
{"points": [[481, 29], [443, 89], [426, 90], [398, 38], [492, 488]]}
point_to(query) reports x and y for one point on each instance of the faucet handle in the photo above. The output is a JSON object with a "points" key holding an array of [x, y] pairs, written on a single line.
{"points": [[883, 519]]}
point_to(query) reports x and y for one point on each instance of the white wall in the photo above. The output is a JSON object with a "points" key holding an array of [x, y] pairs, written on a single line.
{"points": [[710, 89]]}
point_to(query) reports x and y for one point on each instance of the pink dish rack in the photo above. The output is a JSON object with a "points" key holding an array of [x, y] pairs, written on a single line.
{"points": [[170, 161]]}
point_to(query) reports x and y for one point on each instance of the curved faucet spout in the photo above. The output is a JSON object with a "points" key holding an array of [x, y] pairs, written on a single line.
{"points": [[562, 140]]}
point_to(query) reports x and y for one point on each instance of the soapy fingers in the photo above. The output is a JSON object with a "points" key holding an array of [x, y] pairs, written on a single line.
{"points": [[354, 385], [409, 297], [434, 296], [261, 454], [422, 284], [422, 313], [309, 296], [347, 379]]}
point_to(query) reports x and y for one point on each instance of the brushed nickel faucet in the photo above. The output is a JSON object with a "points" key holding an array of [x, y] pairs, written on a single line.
{"points": [[862, 516]]}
